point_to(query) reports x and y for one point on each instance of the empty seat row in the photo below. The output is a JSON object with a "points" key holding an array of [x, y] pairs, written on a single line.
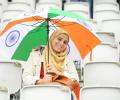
{"points": [[51, 92]]}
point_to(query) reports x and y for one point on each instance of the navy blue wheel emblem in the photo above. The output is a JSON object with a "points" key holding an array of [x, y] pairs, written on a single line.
{"points": [[12, 38]]}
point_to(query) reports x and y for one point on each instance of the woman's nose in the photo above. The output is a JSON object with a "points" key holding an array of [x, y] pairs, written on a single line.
{"points": [[61, 43]]}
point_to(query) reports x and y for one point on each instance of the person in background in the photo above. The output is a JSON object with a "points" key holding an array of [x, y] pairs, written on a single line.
{"points": [[54, 58]]}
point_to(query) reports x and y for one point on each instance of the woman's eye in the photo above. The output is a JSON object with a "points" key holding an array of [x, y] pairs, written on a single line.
{"points": [[65, 42], [59, 39]]}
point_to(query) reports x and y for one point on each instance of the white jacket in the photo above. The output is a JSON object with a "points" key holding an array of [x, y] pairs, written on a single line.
{"points": [[31, 71]]}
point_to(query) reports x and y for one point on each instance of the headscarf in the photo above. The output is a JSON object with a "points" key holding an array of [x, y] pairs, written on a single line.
{"points": [[55, 59]]}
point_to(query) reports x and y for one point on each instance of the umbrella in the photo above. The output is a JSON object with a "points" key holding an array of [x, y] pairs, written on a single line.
{"points": [[31, 29]]}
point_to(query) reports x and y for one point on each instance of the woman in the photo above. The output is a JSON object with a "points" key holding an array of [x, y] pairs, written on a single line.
{"points": [[59, 62]]}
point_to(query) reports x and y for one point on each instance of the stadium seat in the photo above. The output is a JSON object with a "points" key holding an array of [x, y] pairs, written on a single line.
{"points": [[112, 25], [100, 93], [108, 1], [105, 14], [106, 37], [106, 6], [57, 3], [8, 15], [81, 8], [4, 93], [46, 6], [104, 52], [45, 92], [0, 9], [3, 3], [31, 3], [10, 76], [102, 74], [18, 6]]}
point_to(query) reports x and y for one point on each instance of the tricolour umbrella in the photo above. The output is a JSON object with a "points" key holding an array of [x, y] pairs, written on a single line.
{"points": [[31, 29]]}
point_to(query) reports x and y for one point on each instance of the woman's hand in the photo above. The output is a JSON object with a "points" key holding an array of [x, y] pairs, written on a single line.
{"points": [[52, 69], [46, 79]]}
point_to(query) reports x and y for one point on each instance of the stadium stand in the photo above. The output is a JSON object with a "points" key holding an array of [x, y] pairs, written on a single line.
{"points": [[99, 78]]}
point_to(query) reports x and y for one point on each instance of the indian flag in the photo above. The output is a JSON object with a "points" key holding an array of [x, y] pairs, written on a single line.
{"points": [[18, 41]]}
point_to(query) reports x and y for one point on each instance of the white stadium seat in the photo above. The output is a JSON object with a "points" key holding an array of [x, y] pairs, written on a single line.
{"points": [[102, 74], [106, 6], [0, 10], [112, 25], [18, 6], [10, 76], [3, 3], [104, 52], [78, 7], [40, 6], [57, 3], [45, 92], [100, 93], [106, 37], [25, 1], [8, 15], [108, 1], [4, 93], [29, 2], [105, 14]]}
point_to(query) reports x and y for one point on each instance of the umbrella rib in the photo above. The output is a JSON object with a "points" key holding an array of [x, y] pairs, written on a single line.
{"points": [[65, 25], [37, 19], [59, 20], [32, 24], [52, 25], [62, 24]]}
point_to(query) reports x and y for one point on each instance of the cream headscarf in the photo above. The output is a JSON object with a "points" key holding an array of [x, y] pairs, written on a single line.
{"points": [[55, 59]]}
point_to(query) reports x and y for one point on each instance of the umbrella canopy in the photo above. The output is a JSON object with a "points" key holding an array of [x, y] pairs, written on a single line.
{"points": [[31, 29]]}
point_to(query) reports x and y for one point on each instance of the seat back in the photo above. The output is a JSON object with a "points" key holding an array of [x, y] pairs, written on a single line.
{"points": [[106, 6], [102, 74], [40, 6], [9, 15], [10, 76], [45, 92], [80, 8], [107, 1], [110, 25], [100, 93], [105, 14], [4, 93], [104, 53]]}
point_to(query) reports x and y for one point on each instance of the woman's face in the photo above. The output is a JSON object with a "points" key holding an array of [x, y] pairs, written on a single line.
{"points": [[59, 44]]}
